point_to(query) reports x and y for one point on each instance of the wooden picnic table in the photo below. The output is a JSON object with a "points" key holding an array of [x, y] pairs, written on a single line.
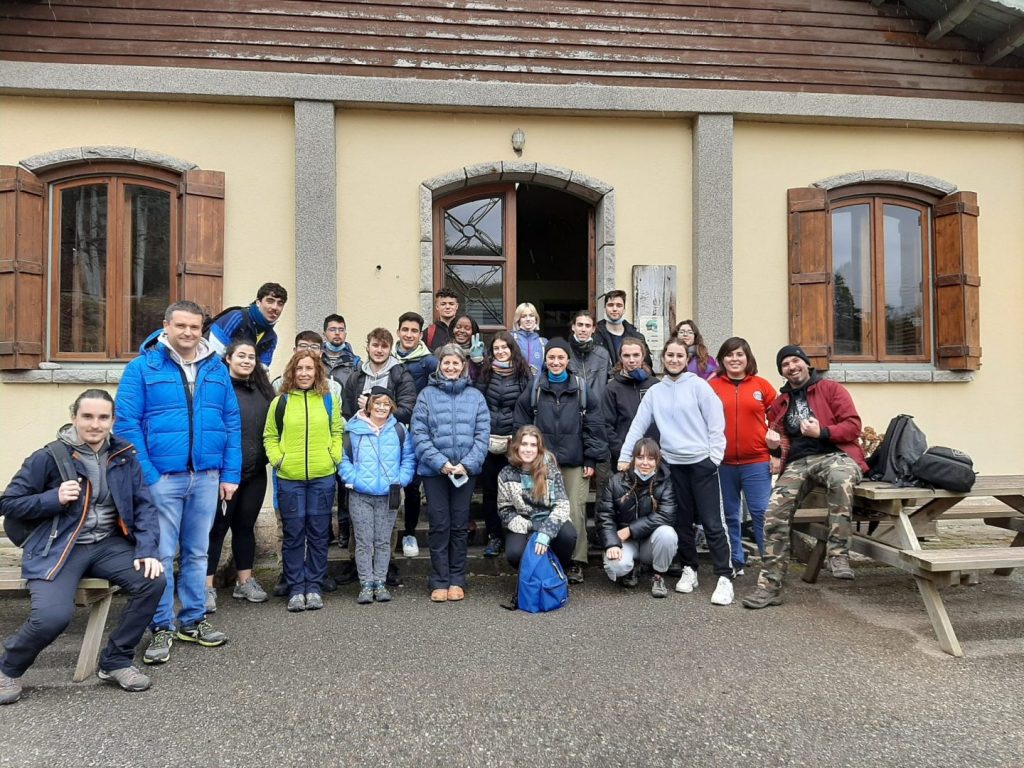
{"points": [[903, 513]]}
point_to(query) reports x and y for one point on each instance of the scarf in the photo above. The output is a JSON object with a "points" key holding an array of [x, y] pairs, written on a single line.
{"points": [[258, 319], [638, 375], [501, 369], [583, 347], [560, 378]]}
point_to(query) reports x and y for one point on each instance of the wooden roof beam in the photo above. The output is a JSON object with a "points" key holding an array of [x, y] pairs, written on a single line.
{"points": [[1004, 45], [946, 24]]}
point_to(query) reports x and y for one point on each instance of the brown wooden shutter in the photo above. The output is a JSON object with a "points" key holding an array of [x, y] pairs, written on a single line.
{"points": [[957, 331], [201, 265], [21, 269], [810, 275]]}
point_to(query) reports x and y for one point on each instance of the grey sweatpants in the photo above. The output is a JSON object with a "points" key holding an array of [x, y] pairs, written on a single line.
{"points": [[372, 524], [657, 550]]}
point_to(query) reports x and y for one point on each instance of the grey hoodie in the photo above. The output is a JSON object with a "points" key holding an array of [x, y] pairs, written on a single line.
{"points": [[203, 351], [382, 377], [101, 516]]}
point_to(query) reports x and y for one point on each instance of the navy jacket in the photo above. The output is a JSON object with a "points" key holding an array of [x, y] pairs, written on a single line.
{"points": [[32, 496], [576, 439]]}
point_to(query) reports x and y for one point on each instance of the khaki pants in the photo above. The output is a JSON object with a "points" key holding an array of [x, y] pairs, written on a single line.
{"points": [[576, 488]]}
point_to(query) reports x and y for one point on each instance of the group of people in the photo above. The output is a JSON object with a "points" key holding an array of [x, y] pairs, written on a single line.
{"points": [[531, 421]]}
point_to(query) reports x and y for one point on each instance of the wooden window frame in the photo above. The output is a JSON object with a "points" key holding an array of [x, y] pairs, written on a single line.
{"points": [[118, 343], [876, 205]]}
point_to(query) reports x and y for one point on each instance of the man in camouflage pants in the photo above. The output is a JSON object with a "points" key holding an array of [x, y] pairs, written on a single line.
{"points": [[813, 429]]}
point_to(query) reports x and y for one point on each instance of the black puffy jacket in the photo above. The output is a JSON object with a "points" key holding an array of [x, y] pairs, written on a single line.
{"points": [[622, 399], [628, 501], [252, 408], [501, 394], [576, 440]]}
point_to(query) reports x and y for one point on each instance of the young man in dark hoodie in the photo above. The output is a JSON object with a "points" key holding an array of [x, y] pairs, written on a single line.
{"points": [[615, 327], [813, 426], [102, 524], [446, 309], [337, 355]]}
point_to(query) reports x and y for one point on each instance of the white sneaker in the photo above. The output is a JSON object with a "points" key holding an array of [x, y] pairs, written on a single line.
{"points": [[723, 592], [409, 546], [687, 581]]}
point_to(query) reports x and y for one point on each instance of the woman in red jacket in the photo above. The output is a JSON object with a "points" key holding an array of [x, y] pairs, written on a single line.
{"points": [[746, 466]]}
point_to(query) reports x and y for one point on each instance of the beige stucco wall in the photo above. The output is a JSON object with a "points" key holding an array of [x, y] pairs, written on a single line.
{"points": [[254, 146], [980, 417], [383, 157]]}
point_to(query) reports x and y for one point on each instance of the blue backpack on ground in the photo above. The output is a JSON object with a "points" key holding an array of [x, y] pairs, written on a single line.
{"points": [[542, 583]]}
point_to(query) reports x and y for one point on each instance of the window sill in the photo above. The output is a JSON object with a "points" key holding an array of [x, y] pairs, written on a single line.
{"points": [[894, 374], [57, 373]]}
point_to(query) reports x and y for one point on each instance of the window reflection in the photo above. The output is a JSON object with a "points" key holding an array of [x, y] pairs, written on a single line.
{"points": [[474, 228], [904, 292], [149, 241], [83, 269], [851, 264]]}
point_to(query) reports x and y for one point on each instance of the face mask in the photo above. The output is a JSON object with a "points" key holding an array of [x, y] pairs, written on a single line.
{"points": [[642, 476]]}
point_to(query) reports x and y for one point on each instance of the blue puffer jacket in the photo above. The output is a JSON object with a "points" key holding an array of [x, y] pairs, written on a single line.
{"points": [[450, 423], [32, 496], [371, 462], [172, 431]]}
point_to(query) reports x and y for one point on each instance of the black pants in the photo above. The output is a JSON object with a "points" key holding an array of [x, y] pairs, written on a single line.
{"points": [[699, 500], [342, 500], [493, 464], [412, 506], [448, 515], [562, 545], [53, 605], [240, 516]]}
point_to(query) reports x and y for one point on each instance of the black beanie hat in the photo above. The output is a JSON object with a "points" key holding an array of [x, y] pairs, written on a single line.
{"points": [[558, 343], [789, 351], [382, 391]]}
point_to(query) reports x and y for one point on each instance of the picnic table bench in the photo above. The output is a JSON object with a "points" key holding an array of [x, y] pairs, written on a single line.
{"points": [[96, 595], [903, 513]]}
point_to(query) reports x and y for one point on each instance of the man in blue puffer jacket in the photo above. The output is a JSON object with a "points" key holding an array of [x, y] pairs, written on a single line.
{"points": [[176, 405]]}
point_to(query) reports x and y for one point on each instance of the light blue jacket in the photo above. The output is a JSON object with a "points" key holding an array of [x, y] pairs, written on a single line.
{"points": [[450, 423], [372, 461]]}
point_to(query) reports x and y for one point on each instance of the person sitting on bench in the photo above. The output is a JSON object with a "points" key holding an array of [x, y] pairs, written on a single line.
{"points": [[813, 427], [87, 512]]}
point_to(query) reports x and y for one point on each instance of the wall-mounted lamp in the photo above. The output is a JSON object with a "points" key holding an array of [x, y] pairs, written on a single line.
{"points": [[518, 141]]}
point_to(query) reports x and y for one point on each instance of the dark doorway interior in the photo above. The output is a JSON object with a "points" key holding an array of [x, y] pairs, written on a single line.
{"points": [[552, 247]]}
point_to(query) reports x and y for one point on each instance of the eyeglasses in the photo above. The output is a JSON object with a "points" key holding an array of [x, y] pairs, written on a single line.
{"points": [[307, 346], [335, 329]]}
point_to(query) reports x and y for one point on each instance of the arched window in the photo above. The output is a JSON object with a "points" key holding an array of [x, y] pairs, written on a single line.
{"points": [[884, 273], [97, 251]]}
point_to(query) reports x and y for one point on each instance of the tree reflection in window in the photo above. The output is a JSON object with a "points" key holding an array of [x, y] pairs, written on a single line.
{"points": [[474, 228], [479, 287]]}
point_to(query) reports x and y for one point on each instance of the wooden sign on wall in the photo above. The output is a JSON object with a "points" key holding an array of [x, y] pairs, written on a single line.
{"points": [[654, 306]]}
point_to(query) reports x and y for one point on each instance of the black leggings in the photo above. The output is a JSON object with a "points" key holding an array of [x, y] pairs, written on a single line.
{"points": [[240, 517], [488, 484], [562, 545]]}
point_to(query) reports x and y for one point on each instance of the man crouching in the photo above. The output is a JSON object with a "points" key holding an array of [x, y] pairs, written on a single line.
{"points": [[101, 523]]}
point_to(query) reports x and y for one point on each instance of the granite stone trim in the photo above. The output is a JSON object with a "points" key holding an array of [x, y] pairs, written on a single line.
{"points": [[187, 83], [712, 225], [316, 241], [897, 375], [59, 375], [888, 176], [594, 191], [71, 155]]}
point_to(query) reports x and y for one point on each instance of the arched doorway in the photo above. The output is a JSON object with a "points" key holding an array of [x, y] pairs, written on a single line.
{"points": [[512, 236]]}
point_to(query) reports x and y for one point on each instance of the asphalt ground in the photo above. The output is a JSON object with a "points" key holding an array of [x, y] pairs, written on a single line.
{"points": [[842, 674]]}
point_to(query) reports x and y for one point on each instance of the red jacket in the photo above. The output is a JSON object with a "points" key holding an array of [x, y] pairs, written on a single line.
{"points": [[834, 409], [746, 407]]}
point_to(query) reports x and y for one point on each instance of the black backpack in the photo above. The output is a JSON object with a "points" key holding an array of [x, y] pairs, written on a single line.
{"points": [[893, 461], [946, 468], [18, 531]]}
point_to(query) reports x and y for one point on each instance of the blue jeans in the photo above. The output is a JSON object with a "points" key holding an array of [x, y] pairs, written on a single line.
{"points": [[755, 480], [306, 507], [187, 502]]}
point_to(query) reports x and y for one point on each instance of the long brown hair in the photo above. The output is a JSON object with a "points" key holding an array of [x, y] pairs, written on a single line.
{"points": [[319, 377], [645, 446], [698, 345], [538, 468]]}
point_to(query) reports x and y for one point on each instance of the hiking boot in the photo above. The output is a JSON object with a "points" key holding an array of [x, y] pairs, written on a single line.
{"points": [[211, 600], [348, 573], [631, 579], [313, 601], [129, 678], [251, 591], [410, 547], [10, 689], [394, 578], [328, 585], [203, 633], [687, 581], [840, 567], [365, 596], [576, 573], [658, 586], [159, 650], [723, 594], [381, 593], [762, 598], [495, 546], [296, 603]]}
